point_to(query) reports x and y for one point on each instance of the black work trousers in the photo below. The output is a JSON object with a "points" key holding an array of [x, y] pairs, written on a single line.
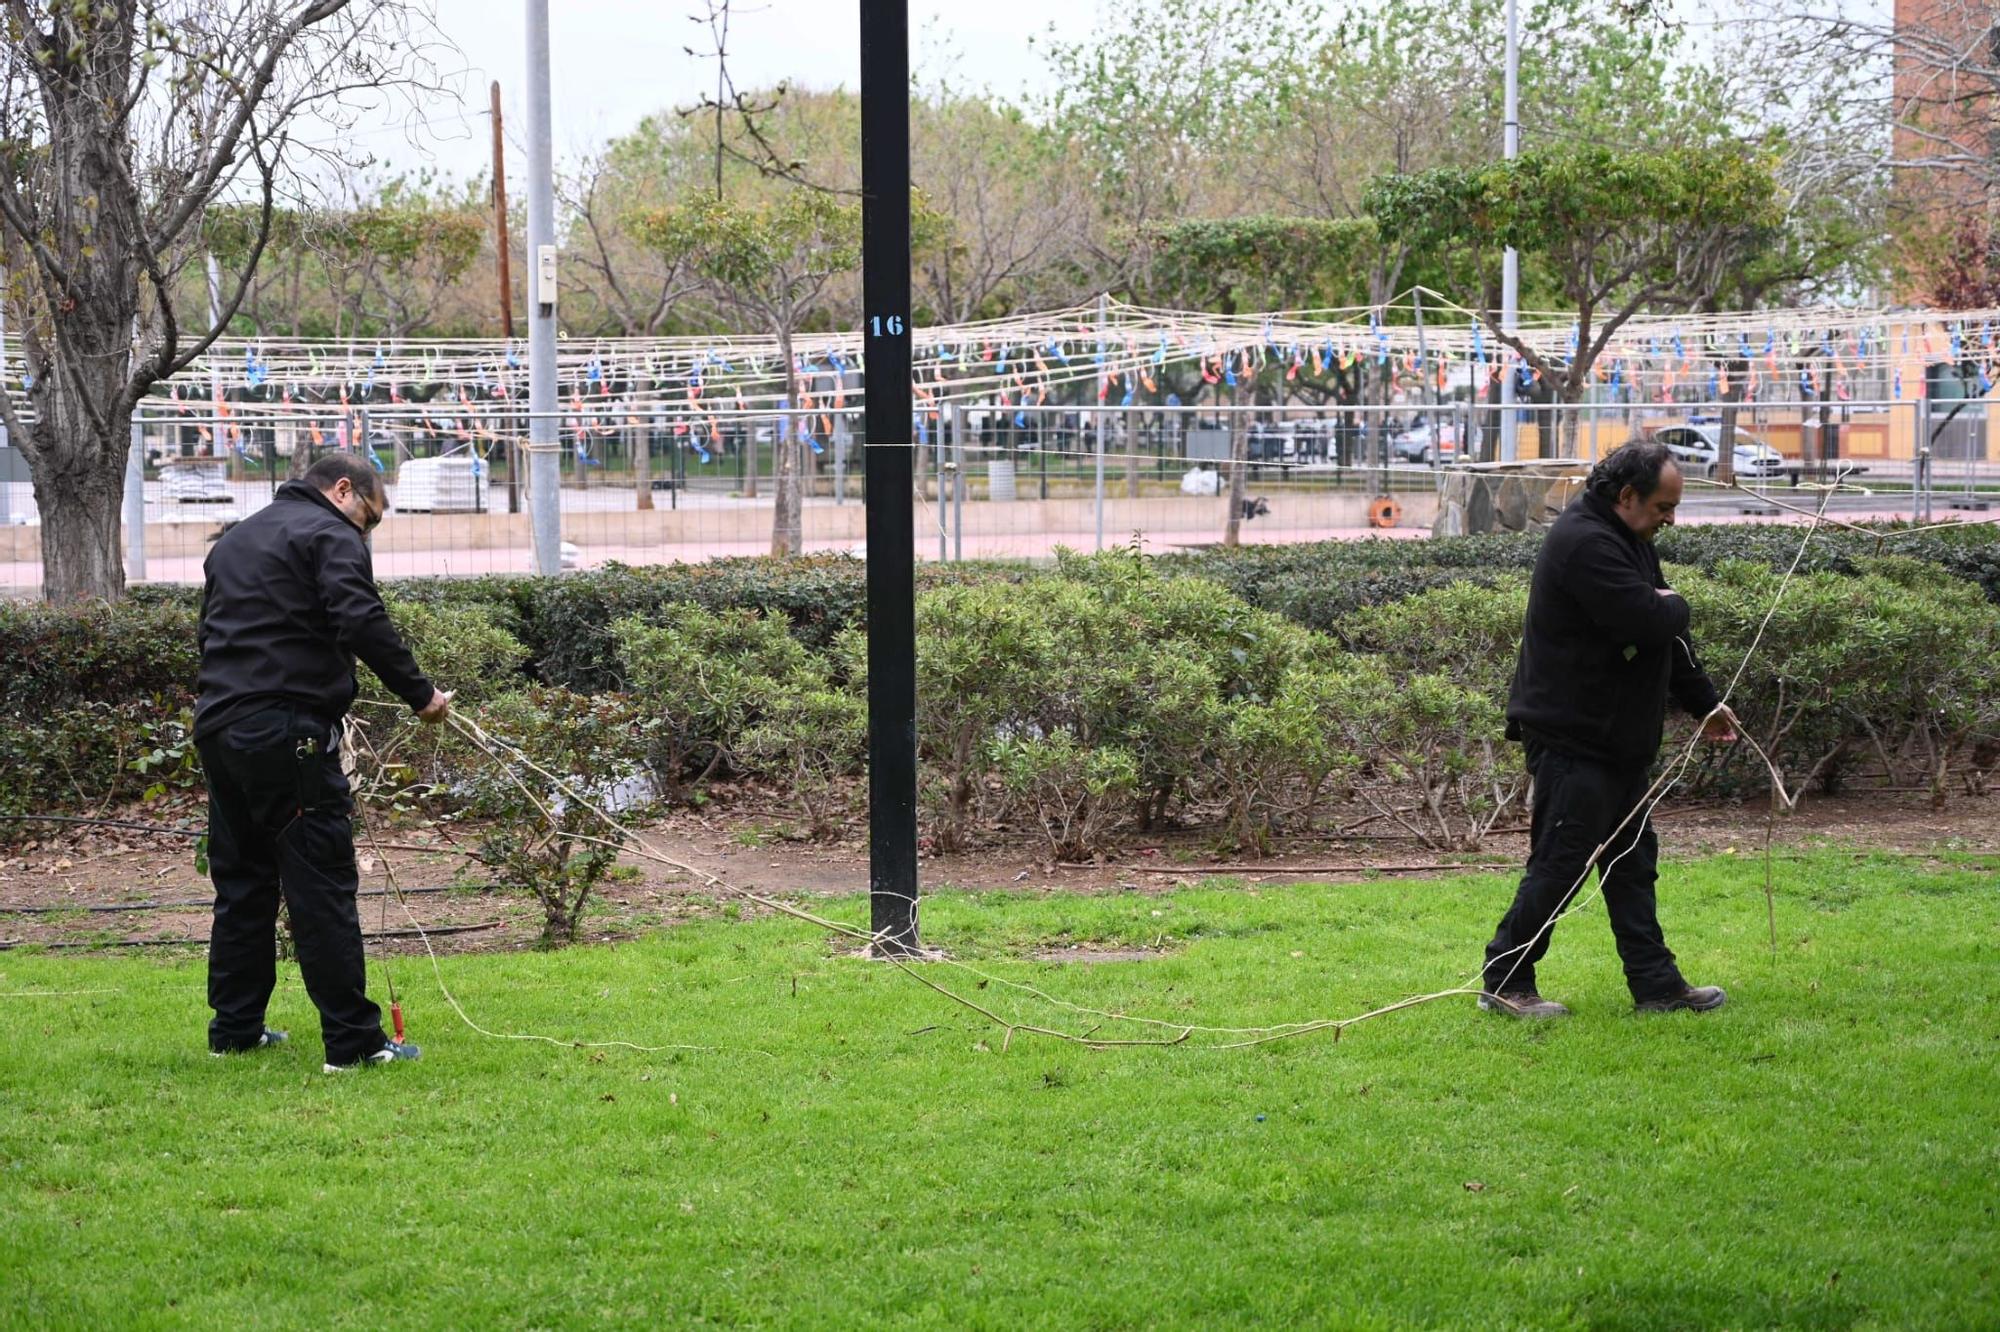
{"points": [[1577, 804], [280, 820]]}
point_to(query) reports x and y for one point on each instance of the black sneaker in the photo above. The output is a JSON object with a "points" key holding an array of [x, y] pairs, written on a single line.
{"points": [[269, 1037], [1521, 1004], [394, 1052], [1694, 998]]}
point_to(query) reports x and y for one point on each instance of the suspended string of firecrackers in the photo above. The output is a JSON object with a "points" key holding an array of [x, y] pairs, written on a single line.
{"points": [[1067, 356]]}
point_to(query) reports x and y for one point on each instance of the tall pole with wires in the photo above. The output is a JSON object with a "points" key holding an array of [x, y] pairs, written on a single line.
{"points": [[502, 246], [6, 458], [544, 464], [1510, 263], [890, 464]]}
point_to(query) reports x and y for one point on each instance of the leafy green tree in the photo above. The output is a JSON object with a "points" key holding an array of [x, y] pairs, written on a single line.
{"points": [[1159, 109], [1260, 262], [1618, 232], [402, 252], [775, 262]]}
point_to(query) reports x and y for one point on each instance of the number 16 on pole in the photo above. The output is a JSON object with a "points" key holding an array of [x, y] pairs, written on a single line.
{"points": [[877, 326]]}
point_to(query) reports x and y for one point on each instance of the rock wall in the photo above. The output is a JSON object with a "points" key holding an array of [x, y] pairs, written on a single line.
{"points": [[1515, 497]]}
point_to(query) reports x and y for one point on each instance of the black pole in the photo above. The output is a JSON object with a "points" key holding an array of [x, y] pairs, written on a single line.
{"points": [[892, 631]]}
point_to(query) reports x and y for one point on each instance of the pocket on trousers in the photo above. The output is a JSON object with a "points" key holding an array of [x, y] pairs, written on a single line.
{"points": [[259, 731], [326, 841]]}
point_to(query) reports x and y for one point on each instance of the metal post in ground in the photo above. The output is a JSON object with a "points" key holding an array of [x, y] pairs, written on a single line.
{"points": [[889, 467], [958, 481], [5, 498], [1510, 270], [1042, 453], [544, 461], [1103, 394], [1920, 462], [135, 505]]}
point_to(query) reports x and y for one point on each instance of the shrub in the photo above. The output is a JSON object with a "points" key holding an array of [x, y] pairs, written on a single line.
{"points": [[540, 840], [701, 679], [1271, 760], [571, 619], [462, 650], [1896, 663], [809, 737], [60, 657], [575, 619], [1467, 632], [1076, 793], [1444, 741], [87, 756], [458, 645], [983, 655]]}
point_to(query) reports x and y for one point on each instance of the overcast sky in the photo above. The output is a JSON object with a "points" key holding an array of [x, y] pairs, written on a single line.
{"points": [[614, 61]]}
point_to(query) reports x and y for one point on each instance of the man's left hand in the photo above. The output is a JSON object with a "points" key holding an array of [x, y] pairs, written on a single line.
{"points": [[1719, 728]]}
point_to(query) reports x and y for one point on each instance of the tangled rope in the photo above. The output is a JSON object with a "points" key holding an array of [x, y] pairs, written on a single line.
{"points": [[511, 761]]}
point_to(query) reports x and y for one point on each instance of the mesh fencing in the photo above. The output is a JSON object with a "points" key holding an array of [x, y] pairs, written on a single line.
{"points": [[651, 482]]}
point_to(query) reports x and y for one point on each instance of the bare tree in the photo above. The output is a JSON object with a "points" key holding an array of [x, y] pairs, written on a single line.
{"points": [[634, 286], [121, 123], [1015, 197]]}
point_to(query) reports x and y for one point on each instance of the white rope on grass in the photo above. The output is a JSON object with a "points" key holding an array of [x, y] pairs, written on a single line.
{"points": [[506, 756], [354, 733]]}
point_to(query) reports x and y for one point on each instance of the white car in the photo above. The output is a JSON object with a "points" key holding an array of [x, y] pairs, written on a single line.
{"points": [[1696, 448], [1420, 443]]}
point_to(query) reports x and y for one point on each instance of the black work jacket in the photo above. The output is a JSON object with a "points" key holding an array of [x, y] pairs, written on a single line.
{"points": [[288, 602], [1602, 649]]}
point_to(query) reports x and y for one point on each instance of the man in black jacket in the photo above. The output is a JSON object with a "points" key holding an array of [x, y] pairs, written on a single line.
{"points": [[1606, 642], [289, 602]]}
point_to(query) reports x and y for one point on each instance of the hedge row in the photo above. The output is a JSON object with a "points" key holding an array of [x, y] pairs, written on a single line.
{"points": [[1104, 697], [1320, 585], [1091, 698], [68, 657]]}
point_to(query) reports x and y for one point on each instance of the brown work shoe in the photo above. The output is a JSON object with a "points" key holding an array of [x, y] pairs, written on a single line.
{"points": [[1522, 1004], [1694, 998]]}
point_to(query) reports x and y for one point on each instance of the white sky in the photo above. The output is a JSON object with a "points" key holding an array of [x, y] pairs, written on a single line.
{"points": [[613, 61]]}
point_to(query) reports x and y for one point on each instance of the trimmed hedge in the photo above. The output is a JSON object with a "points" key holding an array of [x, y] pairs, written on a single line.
{"points": [[76, 655], [62, 657]]}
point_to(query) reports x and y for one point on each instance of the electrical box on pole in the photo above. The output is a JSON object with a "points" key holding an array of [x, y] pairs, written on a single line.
{"points": [[545, 277]]}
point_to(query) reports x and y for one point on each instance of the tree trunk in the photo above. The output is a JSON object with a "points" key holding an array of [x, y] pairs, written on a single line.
{"points": [[1725, 451], [787, 536], [1568, 416], [642, 464], [81, 508]]}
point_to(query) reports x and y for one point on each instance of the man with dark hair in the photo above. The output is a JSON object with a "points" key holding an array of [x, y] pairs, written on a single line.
{"points": [[289, 601], [1606, 642]]}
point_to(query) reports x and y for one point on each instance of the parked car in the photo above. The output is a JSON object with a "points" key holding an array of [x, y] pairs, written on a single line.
{"points": [[1420, 443], [1697, 446]]}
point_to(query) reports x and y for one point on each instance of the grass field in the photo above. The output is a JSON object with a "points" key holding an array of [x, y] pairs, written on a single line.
{"points": [[856, 1151]]}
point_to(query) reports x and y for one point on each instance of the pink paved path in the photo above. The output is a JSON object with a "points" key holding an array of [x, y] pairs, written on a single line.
{"points": [[20, 576]]}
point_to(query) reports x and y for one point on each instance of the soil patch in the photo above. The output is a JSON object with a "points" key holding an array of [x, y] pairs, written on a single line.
{"points": [[119, 888]]}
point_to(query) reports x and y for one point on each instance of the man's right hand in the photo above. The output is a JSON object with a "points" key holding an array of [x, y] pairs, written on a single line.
{"points": [[435, 710]]}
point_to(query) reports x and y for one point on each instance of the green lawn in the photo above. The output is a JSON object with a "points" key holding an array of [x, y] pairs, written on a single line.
{"points": [[1822, 1153]]}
